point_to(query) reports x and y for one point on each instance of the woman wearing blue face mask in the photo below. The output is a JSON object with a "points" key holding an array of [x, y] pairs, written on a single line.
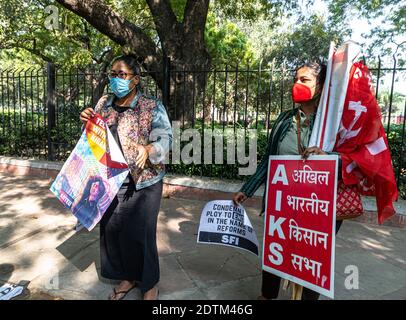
{"points": [[128, 249]]}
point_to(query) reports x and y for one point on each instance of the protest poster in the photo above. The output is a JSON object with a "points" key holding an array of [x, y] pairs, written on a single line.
{"points": [[9, 290], [92, 175], [331, 106], [224, 223], [299, 230]]}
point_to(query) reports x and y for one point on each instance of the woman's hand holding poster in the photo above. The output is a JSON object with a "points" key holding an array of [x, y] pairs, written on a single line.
{"points": [[92, 175]]}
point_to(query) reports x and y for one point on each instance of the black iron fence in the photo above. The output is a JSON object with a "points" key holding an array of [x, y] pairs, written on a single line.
{"points": [[39, 108]]}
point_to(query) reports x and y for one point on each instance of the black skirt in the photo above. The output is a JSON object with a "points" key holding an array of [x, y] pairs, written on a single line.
{"points": [[128, 249]]}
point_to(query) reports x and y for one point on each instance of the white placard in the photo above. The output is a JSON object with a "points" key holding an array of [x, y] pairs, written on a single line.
{"points": [[224, 223]]}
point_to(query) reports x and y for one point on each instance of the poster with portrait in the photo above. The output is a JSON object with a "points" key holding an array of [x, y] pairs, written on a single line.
{"points": [[92, 175]]}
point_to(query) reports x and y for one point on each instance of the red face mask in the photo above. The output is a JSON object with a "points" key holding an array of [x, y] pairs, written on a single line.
{"points": [[301, 93]]}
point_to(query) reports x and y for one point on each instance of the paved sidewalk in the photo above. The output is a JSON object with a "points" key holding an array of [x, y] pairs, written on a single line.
{"points": [[39, 247]]}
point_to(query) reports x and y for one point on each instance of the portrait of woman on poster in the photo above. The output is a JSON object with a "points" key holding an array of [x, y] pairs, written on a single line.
{"points": [[88, 205]]}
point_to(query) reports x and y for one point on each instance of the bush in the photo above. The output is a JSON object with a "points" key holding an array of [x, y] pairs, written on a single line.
{"points": [[398, 152], [24, 134]]}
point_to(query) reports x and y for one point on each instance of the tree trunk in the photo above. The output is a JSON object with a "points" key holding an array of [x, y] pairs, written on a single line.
{"points": [[207, 110], [186, 90], [100, 82], [183, 42]]}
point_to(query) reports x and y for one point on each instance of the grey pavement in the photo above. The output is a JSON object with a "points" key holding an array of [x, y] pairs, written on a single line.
{"points": [[40, 249]]}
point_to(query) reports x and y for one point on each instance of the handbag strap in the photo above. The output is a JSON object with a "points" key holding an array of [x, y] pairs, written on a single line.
{"points": [[300, 148]]}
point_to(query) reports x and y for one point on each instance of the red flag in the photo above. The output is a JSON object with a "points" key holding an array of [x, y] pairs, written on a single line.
{"points": [[363, 146]]}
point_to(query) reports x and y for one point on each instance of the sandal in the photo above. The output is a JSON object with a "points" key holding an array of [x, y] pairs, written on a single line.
{"points": [[121, 292], [157, 295]]}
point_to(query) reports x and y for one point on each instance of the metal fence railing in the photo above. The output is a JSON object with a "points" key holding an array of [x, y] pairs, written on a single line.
{"points": [[39, 108]]}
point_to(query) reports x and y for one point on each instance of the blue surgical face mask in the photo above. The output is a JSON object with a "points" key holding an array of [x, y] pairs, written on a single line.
{"points": [[120, 87]]}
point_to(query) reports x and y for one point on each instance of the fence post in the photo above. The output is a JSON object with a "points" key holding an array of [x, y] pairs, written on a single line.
{"points": [[166, 80], [391, 94], [378, 77], [51, 81]]}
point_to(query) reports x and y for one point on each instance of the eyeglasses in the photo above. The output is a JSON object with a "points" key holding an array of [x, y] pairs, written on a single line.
{"points": [[120, 74]]}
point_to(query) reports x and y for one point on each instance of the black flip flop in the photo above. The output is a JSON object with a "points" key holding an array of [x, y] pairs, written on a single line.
{"points": [[122, 292]]}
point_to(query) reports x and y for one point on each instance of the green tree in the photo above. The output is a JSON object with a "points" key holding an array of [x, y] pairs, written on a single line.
{"points": [[385, 101], [389, 17], [26, 41], [179, 32], [76, 41], [304, 41], [226, 43]]}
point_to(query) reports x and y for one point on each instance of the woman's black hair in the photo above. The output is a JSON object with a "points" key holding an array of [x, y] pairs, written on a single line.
{"points": [[319, 70], [86, 192], [131, 61]]}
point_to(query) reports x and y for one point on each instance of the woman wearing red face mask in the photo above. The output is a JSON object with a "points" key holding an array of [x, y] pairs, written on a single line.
{"points": [[290, 135]]}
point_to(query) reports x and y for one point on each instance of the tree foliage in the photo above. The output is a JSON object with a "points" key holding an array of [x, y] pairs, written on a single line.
{"points": [[388, 16], [195, 34]]}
